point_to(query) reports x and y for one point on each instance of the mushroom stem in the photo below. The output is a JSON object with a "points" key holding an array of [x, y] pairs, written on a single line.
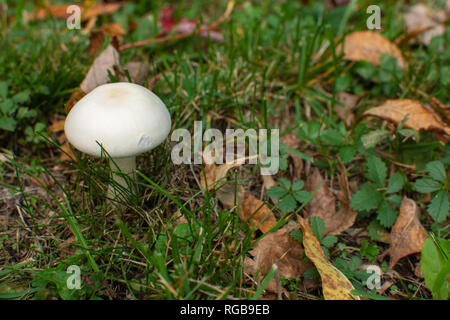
{"points": [[124, 165]]}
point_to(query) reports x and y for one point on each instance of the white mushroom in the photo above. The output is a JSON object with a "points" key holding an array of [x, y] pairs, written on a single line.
{"points": [[124, 118]]}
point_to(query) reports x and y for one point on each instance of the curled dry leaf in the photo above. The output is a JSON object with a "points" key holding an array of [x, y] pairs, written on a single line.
{"points": [[425, 22], [280, 248], [335, 285], [418, 117], [370, 46], [346, 216], [323, 204], [407, 234], [98, 72], [251, 210], [256, 213]]}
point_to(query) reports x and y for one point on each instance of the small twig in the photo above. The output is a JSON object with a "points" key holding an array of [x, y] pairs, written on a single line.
{"points": [[210, 27], [412, 34]]}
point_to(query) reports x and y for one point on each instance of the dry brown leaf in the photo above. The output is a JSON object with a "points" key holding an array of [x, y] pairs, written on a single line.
{"points": [[137, 70], [97, 37], [346, 216], [335, 285], [349, 101], [67, 154], [369, 46], [60, 11], [407, 234], [98, 73], [323, 204], [268, 182], [251, 210], [57, 126], [425, 22], [419, 117], [280, 248], [230, 194], [74, 98], [290, 140], [256, 213], [214, 175]]}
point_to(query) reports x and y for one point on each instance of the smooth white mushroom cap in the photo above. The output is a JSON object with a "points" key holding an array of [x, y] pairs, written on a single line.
{"points": [[125, 118]]}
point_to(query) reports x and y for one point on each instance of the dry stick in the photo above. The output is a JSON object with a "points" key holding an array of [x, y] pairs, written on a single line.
{"points": [[213, 25], [412, 34]]}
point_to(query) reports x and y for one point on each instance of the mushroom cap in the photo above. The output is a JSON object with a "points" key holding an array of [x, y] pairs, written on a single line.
{"points": [[125, 118]]}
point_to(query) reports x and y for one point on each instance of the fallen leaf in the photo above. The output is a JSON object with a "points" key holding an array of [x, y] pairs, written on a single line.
{"points": [[97, 37], [57, 126], [256, 213], [280, 248], [323, 204], [407, 234], [425, 22], [74, 98], [66, 154], [419, 117], [99, 8], [98, 73], [137, 70], [345, 113], [214, 174], [345, 216], [370, 46], [251, 210], [268, 182], [335, 285], [60, 11]]}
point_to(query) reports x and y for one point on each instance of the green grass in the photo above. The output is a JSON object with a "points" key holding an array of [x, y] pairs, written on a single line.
{"points": [[266, 74]]}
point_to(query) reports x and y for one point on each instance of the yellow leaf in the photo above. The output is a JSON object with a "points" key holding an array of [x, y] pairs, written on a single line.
{"points": [[417, 116], [335, 285], [369, 46]]}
